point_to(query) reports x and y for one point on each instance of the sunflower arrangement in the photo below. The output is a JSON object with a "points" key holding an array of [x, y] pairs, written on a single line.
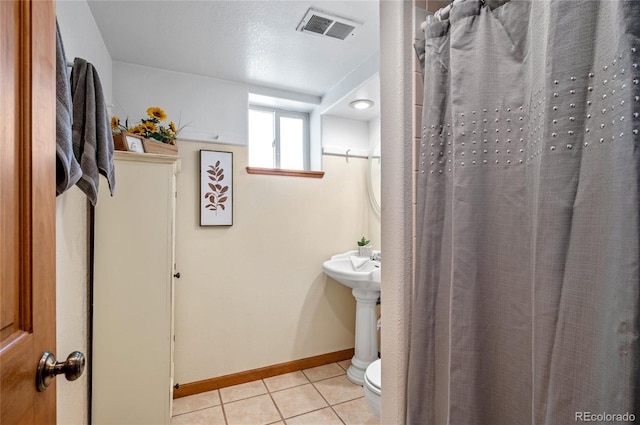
{"points": [[149, 127]]}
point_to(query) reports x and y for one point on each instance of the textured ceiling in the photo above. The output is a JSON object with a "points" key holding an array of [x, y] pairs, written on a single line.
{"points": [[255, 42]]}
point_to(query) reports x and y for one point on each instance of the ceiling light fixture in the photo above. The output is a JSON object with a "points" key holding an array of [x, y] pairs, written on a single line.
{"points": [[361, 104]]}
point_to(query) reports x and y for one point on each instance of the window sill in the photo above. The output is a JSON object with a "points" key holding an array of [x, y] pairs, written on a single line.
{"points": [[289, 173]]}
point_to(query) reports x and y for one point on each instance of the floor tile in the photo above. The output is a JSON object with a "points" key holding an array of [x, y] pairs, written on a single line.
{"points": [[356, 412], [288, 380], [320, 417], [196, 402], [323, 372], [298, 400], [345, 364], [339, 389], [209, 416], [258, 410], [238, 392]]}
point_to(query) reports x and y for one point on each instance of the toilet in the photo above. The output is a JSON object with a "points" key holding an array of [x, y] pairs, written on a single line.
{"points": [[372, 388]]}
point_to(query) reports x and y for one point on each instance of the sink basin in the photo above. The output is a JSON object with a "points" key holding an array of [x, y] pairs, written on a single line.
{"points": [[363, 277], [341, 268]]}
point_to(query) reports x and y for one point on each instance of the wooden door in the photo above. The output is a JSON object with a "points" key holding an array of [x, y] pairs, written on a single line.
{"points": [[27, 218]]}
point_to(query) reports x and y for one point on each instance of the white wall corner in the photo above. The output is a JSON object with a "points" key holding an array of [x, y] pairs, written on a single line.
{"points": [[315, 140], [82, 38], [213, 110], [396, 25]]}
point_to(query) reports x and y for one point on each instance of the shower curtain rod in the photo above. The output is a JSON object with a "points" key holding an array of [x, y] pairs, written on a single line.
{"points": [[442, 14], [349, 153]]}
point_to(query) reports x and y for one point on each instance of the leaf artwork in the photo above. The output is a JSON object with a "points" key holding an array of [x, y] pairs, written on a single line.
{"points": [[217, 195]]}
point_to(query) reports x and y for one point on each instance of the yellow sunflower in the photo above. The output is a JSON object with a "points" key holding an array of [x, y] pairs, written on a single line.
{"points": [[166, 132], [172, 126], [137, 129], [149, 126], [157, 113], [115, 123]]}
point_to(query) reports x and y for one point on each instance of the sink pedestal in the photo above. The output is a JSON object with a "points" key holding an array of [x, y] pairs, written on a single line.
{"points": [[366, 350], [364, 279]]}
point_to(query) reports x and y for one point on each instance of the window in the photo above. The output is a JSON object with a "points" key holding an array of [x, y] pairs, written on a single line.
{"points": [[278, 139]]}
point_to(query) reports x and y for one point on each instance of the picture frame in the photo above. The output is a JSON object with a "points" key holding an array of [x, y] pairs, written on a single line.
{"points": [[128, 142], [134, 143], [216, 188]]}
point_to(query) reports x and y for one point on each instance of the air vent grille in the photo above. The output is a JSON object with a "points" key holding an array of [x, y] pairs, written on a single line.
{"points": [[340, 30], [318, 24], [325, 24]]}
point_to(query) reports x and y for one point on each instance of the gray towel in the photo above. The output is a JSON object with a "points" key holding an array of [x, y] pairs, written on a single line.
{"points": [[92, 139], [68, 170]]}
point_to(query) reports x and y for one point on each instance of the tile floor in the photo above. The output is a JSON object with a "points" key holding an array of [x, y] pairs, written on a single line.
{"points": [[319, 396]]}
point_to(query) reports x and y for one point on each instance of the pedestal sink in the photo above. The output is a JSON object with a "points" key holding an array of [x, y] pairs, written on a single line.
{"points": [[363, 277]]}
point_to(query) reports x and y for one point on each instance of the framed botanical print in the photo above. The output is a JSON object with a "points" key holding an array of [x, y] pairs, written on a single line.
{"points": [[216, 188]]}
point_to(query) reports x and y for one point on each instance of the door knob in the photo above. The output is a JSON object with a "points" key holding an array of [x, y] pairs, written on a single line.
{"points": [[48, 368]]}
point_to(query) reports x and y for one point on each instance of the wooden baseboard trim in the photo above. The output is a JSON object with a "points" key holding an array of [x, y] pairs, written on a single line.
{"points": [[205, 385]]}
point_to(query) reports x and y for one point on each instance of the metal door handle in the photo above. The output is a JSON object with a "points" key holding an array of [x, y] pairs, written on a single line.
{"points": [[177, 275], [48, 368]]}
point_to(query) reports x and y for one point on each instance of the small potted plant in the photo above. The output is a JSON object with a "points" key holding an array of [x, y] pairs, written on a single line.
{"points": [[156, 138], [364, 250]]}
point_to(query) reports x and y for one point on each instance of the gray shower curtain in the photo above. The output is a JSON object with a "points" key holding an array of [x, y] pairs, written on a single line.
{"points": [[525, 308]]}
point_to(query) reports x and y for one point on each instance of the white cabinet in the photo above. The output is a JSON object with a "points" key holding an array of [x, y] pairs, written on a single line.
{"points": [[132, 360]]}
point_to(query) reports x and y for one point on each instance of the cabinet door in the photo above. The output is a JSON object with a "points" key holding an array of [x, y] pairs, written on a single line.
{"points": [[132, 310]]}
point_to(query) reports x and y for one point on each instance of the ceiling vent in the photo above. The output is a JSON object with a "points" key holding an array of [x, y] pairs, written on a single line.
{"points": [[326, 24]]}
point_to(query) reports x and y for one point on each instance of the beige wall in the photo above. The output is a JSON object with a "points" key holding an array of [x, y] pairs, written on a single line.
{"points": [[253, 294], [71, 301], [250, 295]]}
